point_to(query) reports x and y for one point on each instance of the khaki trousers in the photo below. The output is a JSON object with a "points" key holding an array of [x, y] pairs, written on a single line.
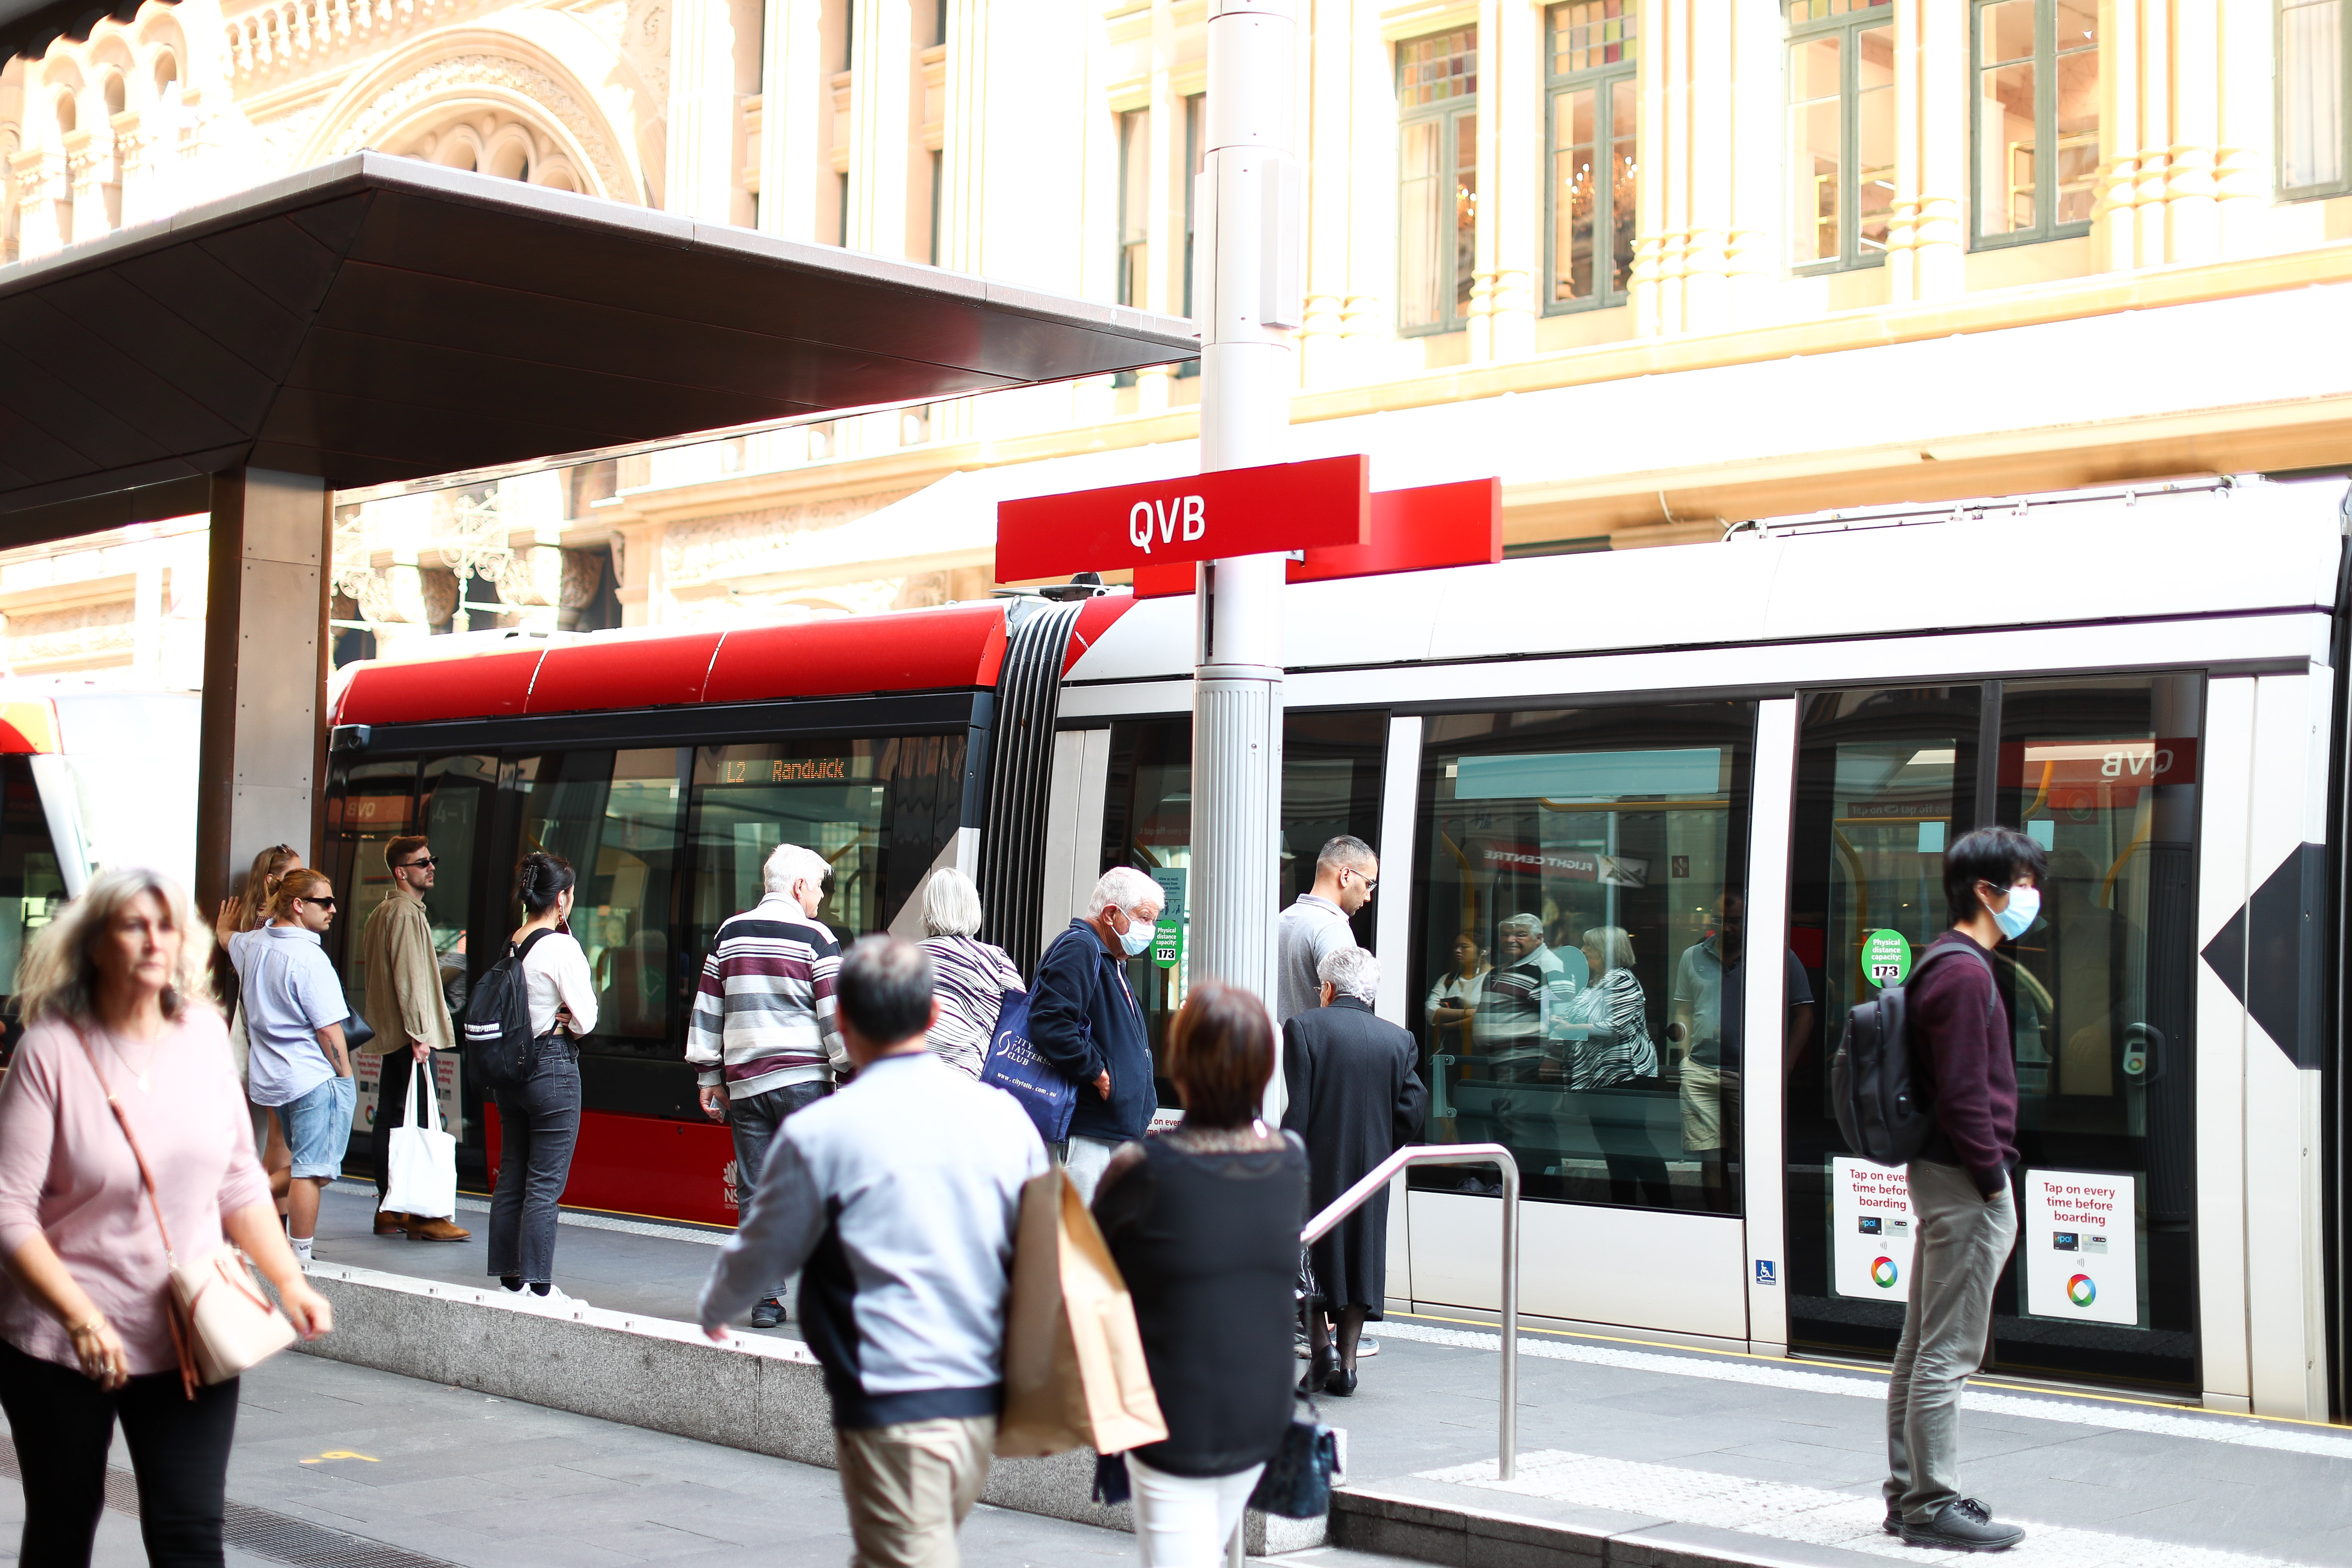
{"points": [[909, 1487]]}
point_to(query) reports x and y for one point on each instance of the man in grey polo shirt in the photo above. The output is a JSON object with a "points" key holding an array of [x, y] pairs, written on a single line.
{"points": [[1709, 1026], [1316, 925]]}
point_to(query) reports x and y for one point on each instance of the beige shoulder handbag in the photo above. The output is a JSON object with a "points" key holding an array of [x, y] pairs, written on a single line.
{"points": [[221, 1321]]}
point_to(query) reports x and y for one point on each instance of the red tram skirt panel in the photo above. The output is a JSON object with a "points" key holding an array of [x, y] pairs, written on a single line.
{"points": [[646, 1165]]}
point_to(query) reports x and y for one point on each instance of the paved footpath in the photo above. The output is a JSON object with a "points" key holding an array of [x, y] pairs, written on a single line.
{"points": [[1769, 1458], [341, 1467]]}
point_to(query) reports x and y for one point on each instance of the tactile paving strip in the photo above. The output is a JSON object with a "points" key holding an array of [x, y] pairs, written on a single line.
{"points": [[259, 1530], [1814, 1515]]}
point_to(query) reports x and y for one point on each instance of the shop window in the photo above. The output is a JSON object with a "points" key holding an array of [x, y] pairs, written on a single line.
{"points": [[2036, 119], [1437, 179], [1330, 785], [2312, 71], [1579, 949], [1592, 97], [1841, 131], [2101, 772], [1135, 208]]}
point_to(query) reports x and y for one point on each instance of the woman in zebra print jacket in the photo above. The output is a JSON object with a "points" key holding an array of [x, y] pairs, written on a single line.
{"points": [[1608, 1027]]}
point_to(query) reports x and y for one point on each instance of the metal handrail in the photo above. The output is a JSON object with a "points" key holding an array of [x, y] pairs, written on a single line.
{"points": [[1494, 1154]]}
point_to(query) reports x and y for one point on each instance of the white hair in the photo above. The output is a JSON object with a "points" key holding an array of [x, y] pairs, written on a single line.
{"points": [[1128, 888], [789, 865], [59, 978], [1353, 972], [1531, 923], [951, 904]]}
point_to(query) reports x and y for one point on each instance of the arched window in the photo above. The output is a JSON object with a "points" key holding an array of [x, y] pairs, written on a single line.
{"points": [[65, 115], [167, 76], [116, 100]]}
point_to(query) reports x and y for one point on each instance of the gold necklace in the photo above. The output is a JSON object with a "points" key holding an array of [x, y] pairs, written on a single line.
{"points": [[140, 1073]]}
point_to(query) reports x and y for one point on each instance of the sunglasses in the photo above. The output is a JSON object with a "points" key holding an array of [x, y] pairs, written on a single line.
{"points": [[327, 904], [429, 862]]}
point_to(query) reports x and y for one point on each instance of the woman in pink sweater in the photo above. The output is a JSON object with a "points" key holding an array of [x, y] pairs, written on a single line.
{"points": [[114, 996]]}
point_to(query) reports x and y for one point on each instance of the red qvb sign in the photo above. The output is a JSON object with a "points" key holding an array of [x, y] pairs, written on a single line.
{"points": [[1204, 517]]}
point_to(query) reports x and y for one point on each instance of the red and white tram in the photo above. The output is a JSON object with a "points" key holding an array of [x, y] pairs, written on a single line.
{"points": [[1669, 758]]}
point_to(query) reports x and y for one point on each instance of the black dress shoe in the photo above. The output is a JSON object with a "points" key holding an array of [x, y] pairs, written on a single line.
{"points": [[768, 1314], [1322, 1366], [1963, 1526], [1894, 1525], [1339, 1383]]}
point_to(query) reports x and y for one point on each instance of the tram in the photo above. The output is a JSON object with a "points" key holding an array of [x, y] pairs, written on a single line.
{"points": [[1669, 760]]}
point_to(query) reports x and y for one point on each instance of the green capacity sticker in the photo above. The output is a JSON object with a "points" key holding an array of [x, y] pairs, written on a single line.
{"points": [[1886, 957], [1168, 943]]}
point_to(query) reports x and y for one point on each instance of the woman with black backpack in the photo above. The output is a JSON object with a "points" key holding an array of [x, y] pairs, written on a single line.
{"points": [[539, 1118]]}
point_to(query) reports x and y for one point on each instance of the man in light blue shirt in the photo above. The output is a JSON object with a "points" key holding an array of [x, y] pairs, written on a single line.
{"points": [[896, 1199], [294, 1013]]}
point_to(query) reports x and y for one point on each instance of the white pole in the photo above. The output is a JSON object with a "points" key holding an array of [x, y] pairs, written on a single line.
{"points": [[1250, 255]]}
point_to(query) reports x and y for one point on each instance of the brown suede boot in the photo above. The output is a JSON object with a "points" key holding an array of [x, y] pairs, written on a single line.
{"points": [[435, 1230], [387, 1223]]}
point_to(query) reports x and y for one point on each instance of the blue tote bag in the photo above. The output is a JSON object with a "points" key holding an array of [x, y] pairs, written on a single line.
{"points": [[1014, 1066]]}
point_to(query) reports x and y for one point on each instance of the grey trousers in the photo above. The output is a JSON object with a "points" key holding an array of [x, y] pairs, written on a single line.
{"points": [[754, 1120], [539, 1124], [1963, 1240]]}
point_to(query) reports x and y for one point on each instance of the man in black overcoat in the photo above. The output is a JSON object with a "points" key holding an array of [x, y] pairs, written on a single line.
{"points": [[1355, 1096]]}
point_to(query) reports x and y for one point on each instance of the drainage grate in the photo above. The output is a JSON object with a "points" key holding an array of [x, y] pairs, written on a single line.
{"points": [[260, 1531]]}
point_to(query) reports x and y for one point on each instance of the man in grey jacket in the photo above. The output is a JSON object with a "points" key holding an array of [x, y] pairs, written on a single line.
{"points": [[897, 1199]]}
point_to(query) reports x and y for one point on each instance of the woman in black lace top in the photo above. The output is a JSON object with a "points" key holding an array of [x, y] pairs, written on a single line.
{"points": [[1203, 1222]]}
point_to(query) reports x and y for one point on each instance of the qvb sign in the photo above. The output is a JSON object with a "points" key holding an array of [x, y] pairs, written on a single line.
{"points": [[1202, 517]]}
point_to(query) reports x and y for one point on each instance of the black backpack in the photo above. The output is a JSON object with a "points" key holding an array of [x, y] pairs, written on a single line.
{"points": [[498, 1022], [1884, 1108]]}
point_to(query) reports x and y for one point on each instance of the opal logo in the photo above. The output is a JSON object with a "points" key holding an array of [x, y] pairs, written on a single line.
{"points": [[2081, 1291], [1881, 1274]]}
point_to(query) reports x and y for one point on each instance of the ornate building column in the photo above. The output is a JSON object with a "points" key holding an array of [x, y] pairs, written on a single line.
{"points": [[792, 116], [2184, 108], [40, 185], [881, 97], [90, 155], [1328, 57], [1514, 197], [699, 161], [1491, 92], [1366, 317], [1710, 160], [1927, 240]]}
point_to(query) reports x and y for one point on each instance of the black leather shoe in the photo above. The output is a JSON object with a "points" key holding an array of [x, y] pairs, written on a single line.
{"points": [[1322, 1366], [1894, 1525], [1963, 1526], [768, 1314], [1339, 1383]]}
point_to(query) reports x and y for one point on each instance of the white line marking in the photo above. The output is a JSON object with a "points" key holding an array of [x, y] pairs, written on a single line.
{"points": [[2119, 1419], [589, 1221], [1812, 1515]]}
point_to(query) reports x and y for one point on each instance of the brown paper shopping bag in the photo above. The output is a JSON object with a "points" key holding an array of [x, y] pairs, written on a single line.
{"points": [[1074, 1369]]}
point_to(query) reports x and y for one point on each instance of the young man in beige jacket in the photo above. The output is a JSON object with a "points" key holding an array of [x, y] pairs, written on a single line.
{"points": [[405, 1009]]}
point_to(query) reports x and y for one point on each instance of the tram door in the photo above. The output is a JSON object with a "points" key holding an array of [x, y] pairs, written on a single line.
{"points": [[2102, 772]]}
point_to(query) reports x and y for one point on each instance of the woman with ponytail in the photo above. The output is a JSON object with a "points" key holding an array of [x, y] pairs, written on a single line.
{"points": [[540, 1121]]}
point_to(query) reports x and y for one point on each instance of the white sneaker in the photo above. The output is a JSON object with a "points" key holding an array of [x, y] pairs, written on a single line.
{"points": [[554, 1301], [1366, 1346]]}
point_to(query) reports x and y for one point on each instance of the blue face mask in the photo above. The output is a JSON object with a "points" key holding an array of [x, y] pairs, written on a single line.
{"points": [[1137, 936], [2025, 904]]}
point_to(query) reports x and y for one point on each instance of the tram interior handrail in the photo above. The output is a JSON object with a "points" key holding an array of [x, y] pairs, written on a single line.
{"points": [[1494, 1154]]}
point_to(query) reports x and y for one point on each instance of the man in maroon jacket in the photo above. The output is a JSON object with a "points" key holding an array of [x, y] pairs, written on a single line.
{"points": [[1959, 1037]]}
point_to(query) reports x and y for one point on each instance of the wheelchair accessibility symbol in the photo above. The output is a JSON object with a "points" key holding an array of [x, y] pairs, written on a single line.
{"points": [[1764, 1275]]}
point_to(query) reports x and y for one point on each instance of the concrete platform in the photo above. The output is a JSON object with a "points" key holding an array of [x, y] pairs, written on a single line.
{"points": [[1632, 1452]]}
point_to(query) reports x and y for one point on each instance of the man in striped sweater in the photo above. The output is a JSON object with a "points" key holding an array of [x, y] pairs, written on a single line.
{"points": [[762, 1038]]}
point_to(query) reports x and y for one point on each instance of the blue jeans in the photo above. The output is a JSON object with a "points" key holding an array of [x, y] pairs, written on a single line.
{"points": [[755, 1119], [538, 1125]]}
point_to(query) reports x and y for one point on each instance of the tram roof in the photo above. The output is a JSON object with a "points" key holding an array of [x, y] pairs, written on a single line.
{"points": [[378, 319]]}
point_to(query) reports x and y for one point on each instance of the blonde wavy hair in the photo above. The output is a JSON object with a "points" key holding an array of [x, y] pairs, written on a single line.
{"points": [[58, 979]]}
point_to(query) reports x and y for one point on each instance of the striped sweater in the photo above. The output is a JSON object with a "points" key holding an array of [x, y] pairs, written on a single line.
{"points": [[764, 1013]]}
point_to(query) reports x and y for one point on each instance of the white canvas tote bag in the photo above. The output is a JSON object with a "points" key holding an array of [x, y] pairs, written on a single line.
{"points": [[423, 1159]]}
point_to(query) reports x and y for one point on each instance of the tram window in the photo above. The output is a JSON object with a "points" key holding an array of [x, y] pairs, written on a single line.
{"points": [[1330, 784], [377, 804], [31, 886], [614, 816], [880, 812], [1577, 972], [2102, 772], [457, 792]]}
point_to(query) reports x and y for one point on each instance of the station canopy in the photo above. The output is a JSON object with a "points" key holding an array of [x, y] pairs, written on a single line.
{"points": [[378, 319]]}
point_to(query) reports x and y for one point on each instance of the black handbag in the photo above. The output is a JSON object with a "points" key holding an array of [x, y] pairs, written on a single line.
{"points": [[1297, 1483]]}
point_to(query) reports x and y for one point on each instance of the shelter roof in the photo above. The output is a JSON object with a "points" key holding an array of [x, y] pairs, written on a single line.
{"points": [[378, 319]]}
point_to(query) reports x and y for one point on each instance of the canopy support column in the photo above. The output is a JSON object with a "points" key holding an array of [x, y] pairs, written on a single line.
{"points": [[263, 749]]}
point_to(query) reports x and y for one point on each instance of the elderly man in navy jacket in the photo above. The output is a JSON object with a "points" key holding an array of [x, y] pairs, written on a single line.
{"points": [[1084, 1018]]}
